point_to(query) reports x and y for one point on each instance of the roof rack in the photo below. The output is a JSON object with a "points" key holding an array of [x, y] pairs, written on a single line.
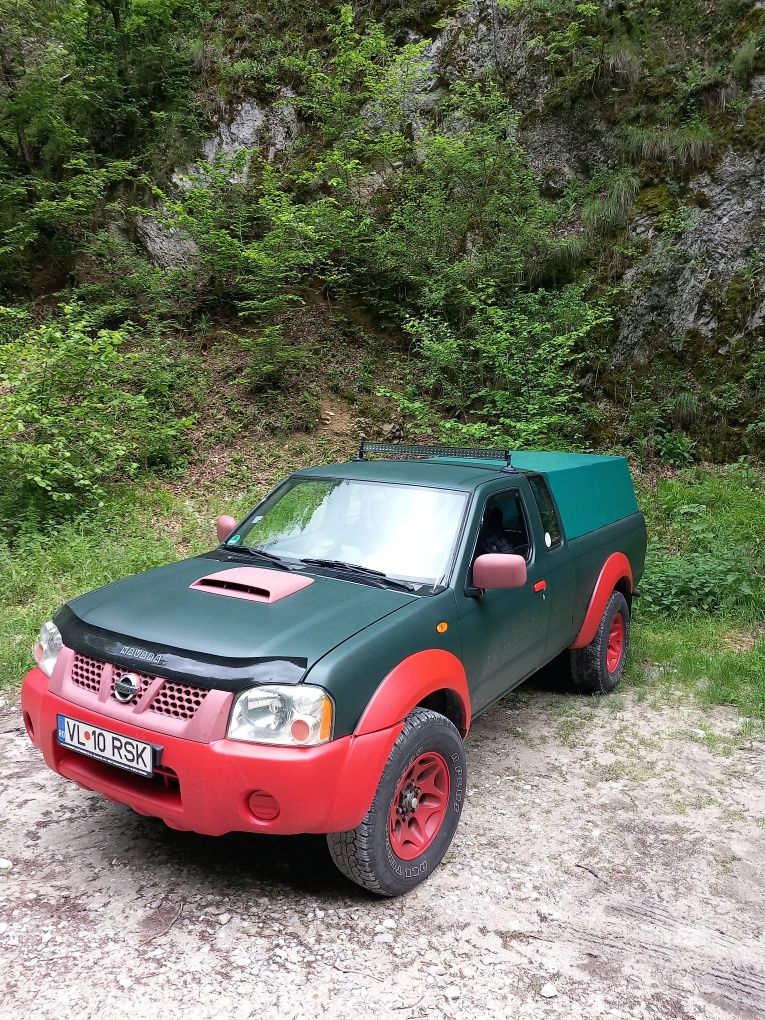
{"points": [[405, 450]]}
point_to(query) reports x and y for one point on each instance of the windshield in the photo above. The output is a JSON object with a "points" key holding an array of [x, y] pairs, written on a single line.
{"points": [[405, 531]]}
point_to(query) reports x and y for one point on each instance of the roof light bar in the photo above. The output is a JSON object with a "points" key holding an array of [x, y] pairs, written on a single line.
{"points": [[406, 450]]}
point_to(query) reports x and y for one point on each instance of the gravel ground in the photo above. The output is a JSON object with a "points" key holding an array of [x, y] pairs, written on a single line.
{"points": [[609, 863]]}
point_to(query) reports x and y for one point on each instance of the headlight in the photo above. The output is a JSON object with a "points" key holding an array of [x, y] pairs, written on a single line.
{"points": [[295, 716], [47, 647]]}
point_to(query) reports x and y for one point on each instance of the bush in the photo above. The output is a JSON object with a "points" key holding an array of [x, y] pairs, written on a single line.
{"points": [[258, 247], [707, 559], [272, 360], [675, 448], [704, 582], [80, 406], [507, 375]]}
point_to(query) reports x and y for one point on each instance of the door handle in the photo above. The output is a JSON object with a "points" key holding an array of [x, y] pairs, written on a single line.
{"points": [[540, 586]]}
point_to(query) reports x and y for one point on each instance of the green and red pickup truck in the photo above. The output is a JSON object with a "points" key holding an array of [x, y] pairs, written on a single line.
{"points": [[319, 670]]}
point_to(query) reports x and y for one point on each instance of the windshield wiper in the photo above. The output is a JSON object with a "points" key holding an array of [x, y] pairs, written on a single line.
{"points": [[357, 568], [344, 565], [249, 551]]}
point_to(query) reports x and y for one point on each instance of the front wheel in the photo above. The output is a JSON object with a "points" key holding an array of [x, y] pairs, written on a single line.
{"points": [[415, 811], [597, 668]]}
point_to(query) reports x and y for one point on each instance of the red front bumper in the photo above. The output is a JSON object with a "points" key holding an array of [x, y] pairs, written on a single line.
{"points": [[317, 789]]}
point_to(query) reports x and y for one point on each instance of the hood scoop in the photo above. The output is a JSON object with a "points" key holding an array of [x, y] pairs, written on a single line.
{"points": [[253, 584]]}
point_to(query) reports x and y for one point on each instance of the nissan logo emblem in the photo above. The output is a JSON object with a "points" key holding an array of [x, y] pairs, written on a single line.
{"points": [[126, 688]]}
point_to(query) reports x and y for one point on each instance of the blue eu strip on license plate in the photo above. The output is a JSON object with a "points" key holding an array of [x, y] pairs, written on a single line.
{"points": [[104, 745]]}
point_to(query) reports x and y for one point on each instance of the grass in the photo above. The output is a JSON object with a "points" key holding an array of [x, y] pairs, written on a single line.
{"points": [[607, 209], [705, 555], [717, 661], [744, 58], [624, 62], [621, 768], [684, 147], [690, 637]]}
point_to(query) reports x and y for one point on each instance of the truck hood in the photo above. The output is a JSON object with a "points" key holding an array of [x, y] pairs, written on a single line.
{"points": [[223, 633]]}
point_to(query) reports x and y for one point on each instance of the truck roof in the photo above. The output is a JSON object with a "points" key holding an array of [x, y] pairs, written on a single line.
{"points": [[447, 473], [590, 490]]}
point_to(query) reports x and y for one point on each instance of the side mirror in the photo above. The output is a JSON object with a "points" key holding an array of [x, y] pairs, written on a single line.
{"points": [[224, 526], [499, 570]]}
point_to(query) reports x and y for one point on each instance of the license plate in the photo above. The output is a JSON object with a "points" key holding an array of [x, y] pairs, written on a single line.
{"points": [[103, 745]]}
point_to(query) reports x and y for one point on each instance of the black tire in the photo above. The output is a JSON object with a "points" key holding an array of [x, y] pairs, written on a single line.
{"points": [[590, 671], [366, 854]]}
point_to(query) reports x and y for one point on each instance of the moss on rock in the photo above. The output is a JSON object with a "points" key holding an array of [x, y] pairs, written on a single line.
{"points": [[655, 201]]}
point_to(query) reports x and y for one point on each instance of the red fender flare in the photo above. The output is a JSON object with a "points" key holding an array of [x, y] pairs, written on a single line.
{"points": [[412, 680], [616, 568]]}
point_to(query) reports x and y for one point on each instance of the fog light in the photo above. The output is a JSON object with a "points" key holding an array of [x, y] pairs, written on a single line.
{"points": [[263, 806]]}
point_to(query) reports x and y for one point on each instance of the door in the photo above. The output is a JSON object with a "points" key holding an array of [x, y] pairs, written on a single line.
{"points": [[504, 633], [560, 574]]}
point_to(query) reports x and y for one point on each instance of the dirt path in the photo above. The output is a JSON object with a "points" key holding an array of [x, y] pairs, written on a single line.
{"points": [[613, 850]]}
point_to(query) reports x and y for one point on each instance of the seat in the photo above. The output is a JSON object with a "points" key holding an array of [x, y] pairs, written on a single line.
{"points": [[493, 538]]}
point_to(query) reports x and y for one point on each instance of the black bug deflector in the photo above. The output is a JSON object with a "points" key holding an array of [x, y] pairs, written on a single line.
{"points": [[211, 671]]}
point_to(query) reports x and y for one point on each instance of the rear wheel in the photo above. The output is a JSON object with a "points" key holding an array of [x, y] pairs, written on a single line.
{"points": [[415, 811], [597, 668]]}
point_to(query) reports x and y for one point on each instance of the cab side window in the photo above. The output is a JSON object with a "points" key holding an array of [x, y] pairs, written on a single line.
{"points": [[503, 527], [547, 512]]}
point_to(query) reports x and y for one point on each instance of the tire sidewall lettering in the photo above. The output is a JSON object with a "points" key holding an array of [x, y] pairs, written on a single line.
{"points": [[459, 785], [407, 871], [414, 871]]}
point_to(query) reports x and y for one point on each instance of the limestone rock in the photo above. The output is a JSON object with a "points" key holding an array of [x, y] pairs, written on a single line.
{"points": [[253, 126], [169, 247], [671, 289], [256, 126]]}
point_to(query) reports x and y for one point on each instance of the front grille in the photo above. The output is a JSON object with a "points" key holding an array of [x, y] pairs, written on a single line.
{"points": [[177, 700], [174, 699], [163, 788], [87, 673]]}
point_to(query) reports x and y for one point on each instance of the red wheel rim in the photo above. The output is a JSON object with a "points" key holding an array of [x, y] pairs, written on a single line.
{"points": [[615, 647], [419, 806]]}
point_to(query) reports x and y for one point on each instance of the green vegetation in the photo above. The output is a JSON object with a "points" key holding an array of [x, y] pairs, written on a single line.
{"points": [[712, 660], [686, 147], [77, 407], [699, 622], [507, 375], [423, 213], [703, 559], [608, 200], [403, 259]]}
